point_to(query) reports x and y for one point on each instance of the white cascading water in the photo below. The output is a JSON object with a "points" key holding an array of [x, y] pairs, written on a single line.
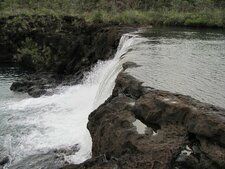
{"points": [[107, 84], [59, 121]]}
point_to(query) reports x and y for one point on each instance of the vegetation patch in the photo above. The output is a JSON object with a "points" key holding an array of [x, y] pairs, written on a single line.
{"points": [[31, 55], [209, 13]]}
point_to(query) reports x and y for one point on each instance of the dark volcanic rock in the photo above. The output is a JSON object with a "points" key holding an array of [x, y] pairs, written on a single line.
{"points": [[37, 85], [180, 131], [21, 86], [57, 45], [35, 91], [129, 65], [4, 160], [53, 159]]}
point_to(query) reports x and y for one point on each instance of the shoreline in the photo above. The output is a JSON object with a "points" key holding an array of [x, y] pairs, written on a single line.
{"points": [[177, 132], [58, 50], [132, 17]]}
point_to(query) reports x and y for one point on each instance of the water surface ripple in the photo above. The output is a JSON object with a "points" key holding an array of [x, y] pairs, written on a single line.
{"points": [[186, 61]]}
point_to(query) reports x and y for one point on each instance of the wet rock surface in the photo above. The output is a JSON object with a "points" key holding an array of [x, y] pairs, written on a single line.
{"points": [[39, 84], [181, 132], [53, 159]]}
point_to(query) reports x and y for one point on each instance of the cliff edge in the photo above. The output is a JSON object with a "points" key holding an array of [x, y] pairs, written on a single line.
{"points": [[141, 127]]}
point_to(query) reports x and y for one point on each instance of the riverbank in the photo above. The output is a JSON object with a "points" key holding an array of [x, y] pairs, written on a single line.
{"points": [[58, 49], [49, 43], [194, 13], [141, 127], [67, 45], [47, 40], [200, 18], [182, 132]]}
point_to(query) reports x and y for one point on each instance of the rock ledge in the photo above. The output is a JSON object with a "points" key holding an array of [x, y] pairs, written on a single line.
{"points": [[180, 132]]}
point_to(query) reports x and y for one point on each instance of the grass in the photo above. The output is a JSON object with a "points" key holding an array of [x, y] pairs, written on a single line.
{"points": [[214, 18], [204, 18]]}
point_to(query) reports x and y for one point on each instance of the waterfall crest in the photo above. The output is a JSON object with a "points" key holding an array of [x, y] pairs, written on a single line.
{"points": [[107, 83]]}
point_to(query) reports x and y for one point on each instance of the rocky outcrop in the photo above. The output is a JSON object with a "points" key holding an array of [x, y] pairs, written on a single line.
{"points": [[62, 45], [137, 127], [140, 127], [57, 44], [37, 84]]}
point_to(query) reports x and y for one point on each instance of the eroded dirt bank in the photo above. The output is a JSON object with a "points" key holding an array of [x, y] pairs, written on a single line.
{"points": [[180, 131]]}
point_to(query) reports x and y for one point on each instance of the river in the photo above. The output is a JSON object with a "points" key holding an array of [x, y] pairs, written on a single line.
{"points": [[40, 132], [186, 61]]}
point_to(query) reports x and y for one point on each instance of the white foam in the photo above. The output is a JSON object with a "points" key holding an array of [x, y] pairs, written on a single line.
{"points": [[155, 133], [141, 127], [59, 121]]}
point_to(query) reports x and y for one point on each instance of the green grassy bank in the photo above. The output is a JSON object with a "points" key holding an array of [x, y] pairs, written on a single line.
{"points": [[196, 13]]}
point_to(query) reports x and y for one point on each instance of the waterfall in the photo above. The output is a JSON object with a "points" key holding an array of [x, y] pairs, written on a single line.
{"points": [[39, 125], [107, 83]]}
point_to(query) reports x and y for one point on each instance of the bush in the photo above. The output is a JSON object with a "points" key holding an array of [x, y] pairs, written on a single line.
{"points": [[31, 55]]}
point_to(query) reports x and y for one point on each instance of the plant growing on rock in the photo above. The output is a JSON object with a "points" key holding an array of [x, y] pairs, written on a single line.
{"points": [[32, 55]]}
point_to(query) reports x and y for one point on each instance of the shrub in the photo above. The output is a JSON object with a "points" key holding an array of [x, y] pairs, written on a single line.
{"points": [[33, 56]]}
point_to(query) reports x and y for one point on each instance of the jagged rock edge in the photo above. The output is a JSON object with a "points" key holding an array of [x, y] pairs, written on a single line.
{"points": [[189, 133]]}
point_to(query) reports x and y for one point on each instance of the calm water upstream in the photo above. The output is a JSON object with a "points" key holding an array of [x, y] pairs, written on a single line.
{"points": [[187, 61]]}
